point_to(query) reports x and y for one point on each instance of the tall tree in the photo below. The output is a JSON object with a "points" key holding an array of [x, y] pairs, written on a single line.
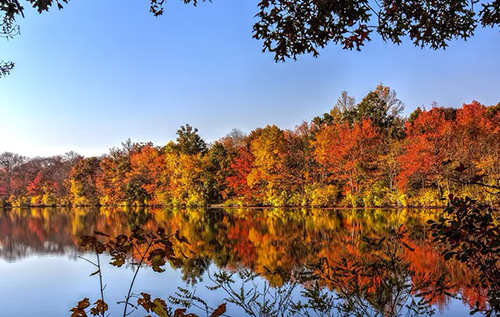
{"points": [[241, 166], [9, 165], [144, 180], [349, 153], [268, 150], [383, 108], [83, 181], [111, 184], [427, 147], [189, 141]]}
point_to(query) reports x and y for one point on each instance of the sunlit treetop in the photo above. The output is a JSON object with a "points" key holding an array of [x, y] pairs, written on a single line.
{"points": [[188, 141], [381, 106]]}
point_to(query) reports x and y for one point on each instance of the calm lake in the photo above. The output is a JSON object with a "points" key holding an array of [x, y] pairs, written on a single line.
{"points": [[42, 274]]}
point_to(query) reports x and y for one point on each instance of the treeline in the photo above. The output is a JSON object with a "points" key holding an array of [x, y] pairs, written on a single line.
{"points": [[358, 154]]}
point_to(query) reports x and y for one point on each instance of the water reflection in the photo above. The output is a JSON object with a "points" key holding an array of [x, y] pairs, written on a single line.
{"points": [[278, 245]]}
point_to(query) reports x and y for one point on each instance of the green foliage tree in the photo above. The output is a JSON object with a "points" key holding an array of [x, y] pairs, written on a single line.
{"points": [[414, 115], [189, 141], [382, 107], [216, 167], [345, 104]]}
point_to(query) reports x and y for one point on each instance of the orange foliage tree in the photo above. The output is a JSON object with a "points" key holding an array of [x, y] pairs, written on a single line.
{"points": [[348, 154]]}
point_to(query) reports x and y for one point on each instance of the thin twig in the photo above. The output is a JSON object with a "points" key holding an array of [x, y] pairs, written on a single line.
{"points": [[100, 282], [81, 257], [133, 280]]}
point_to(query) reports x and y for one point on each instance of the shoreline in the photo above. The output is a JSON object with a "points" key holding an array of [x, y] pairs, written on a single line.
{"points": [[219, 206]]}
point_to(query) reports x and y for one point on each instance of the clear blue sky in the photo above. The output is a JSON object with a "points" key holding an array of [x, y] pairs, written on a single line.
{"points": [[101, 71]]}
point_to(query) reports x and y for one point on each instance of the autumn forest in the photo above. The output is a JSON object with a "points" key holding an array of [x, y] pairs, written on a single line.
{"points": [[358, 154]]}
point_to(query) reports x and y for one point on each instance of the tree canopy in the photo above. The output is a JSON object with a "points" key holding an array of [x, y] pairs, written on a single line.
{"points": [[189, 141], [289, 28], [358, 154]]}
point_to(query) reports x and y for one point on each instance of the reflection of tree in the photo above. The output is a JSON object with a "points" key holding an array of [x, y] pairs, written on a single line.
{"points": [[272, 243], [252, 298], [137, 217], [194, 268], [25, 232], [382, 284]]}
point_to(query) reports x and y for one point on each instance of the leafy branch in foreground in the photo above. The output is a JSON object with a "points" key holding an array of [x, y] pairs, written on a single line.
{"points": [[5, 68], [255, 300], [469, 232], [292, 28], [139, 248]]}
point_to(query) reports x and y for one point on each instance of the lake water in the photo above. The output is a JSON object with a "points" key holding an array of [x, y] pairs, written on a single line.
{"points": [[42, 274]]}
